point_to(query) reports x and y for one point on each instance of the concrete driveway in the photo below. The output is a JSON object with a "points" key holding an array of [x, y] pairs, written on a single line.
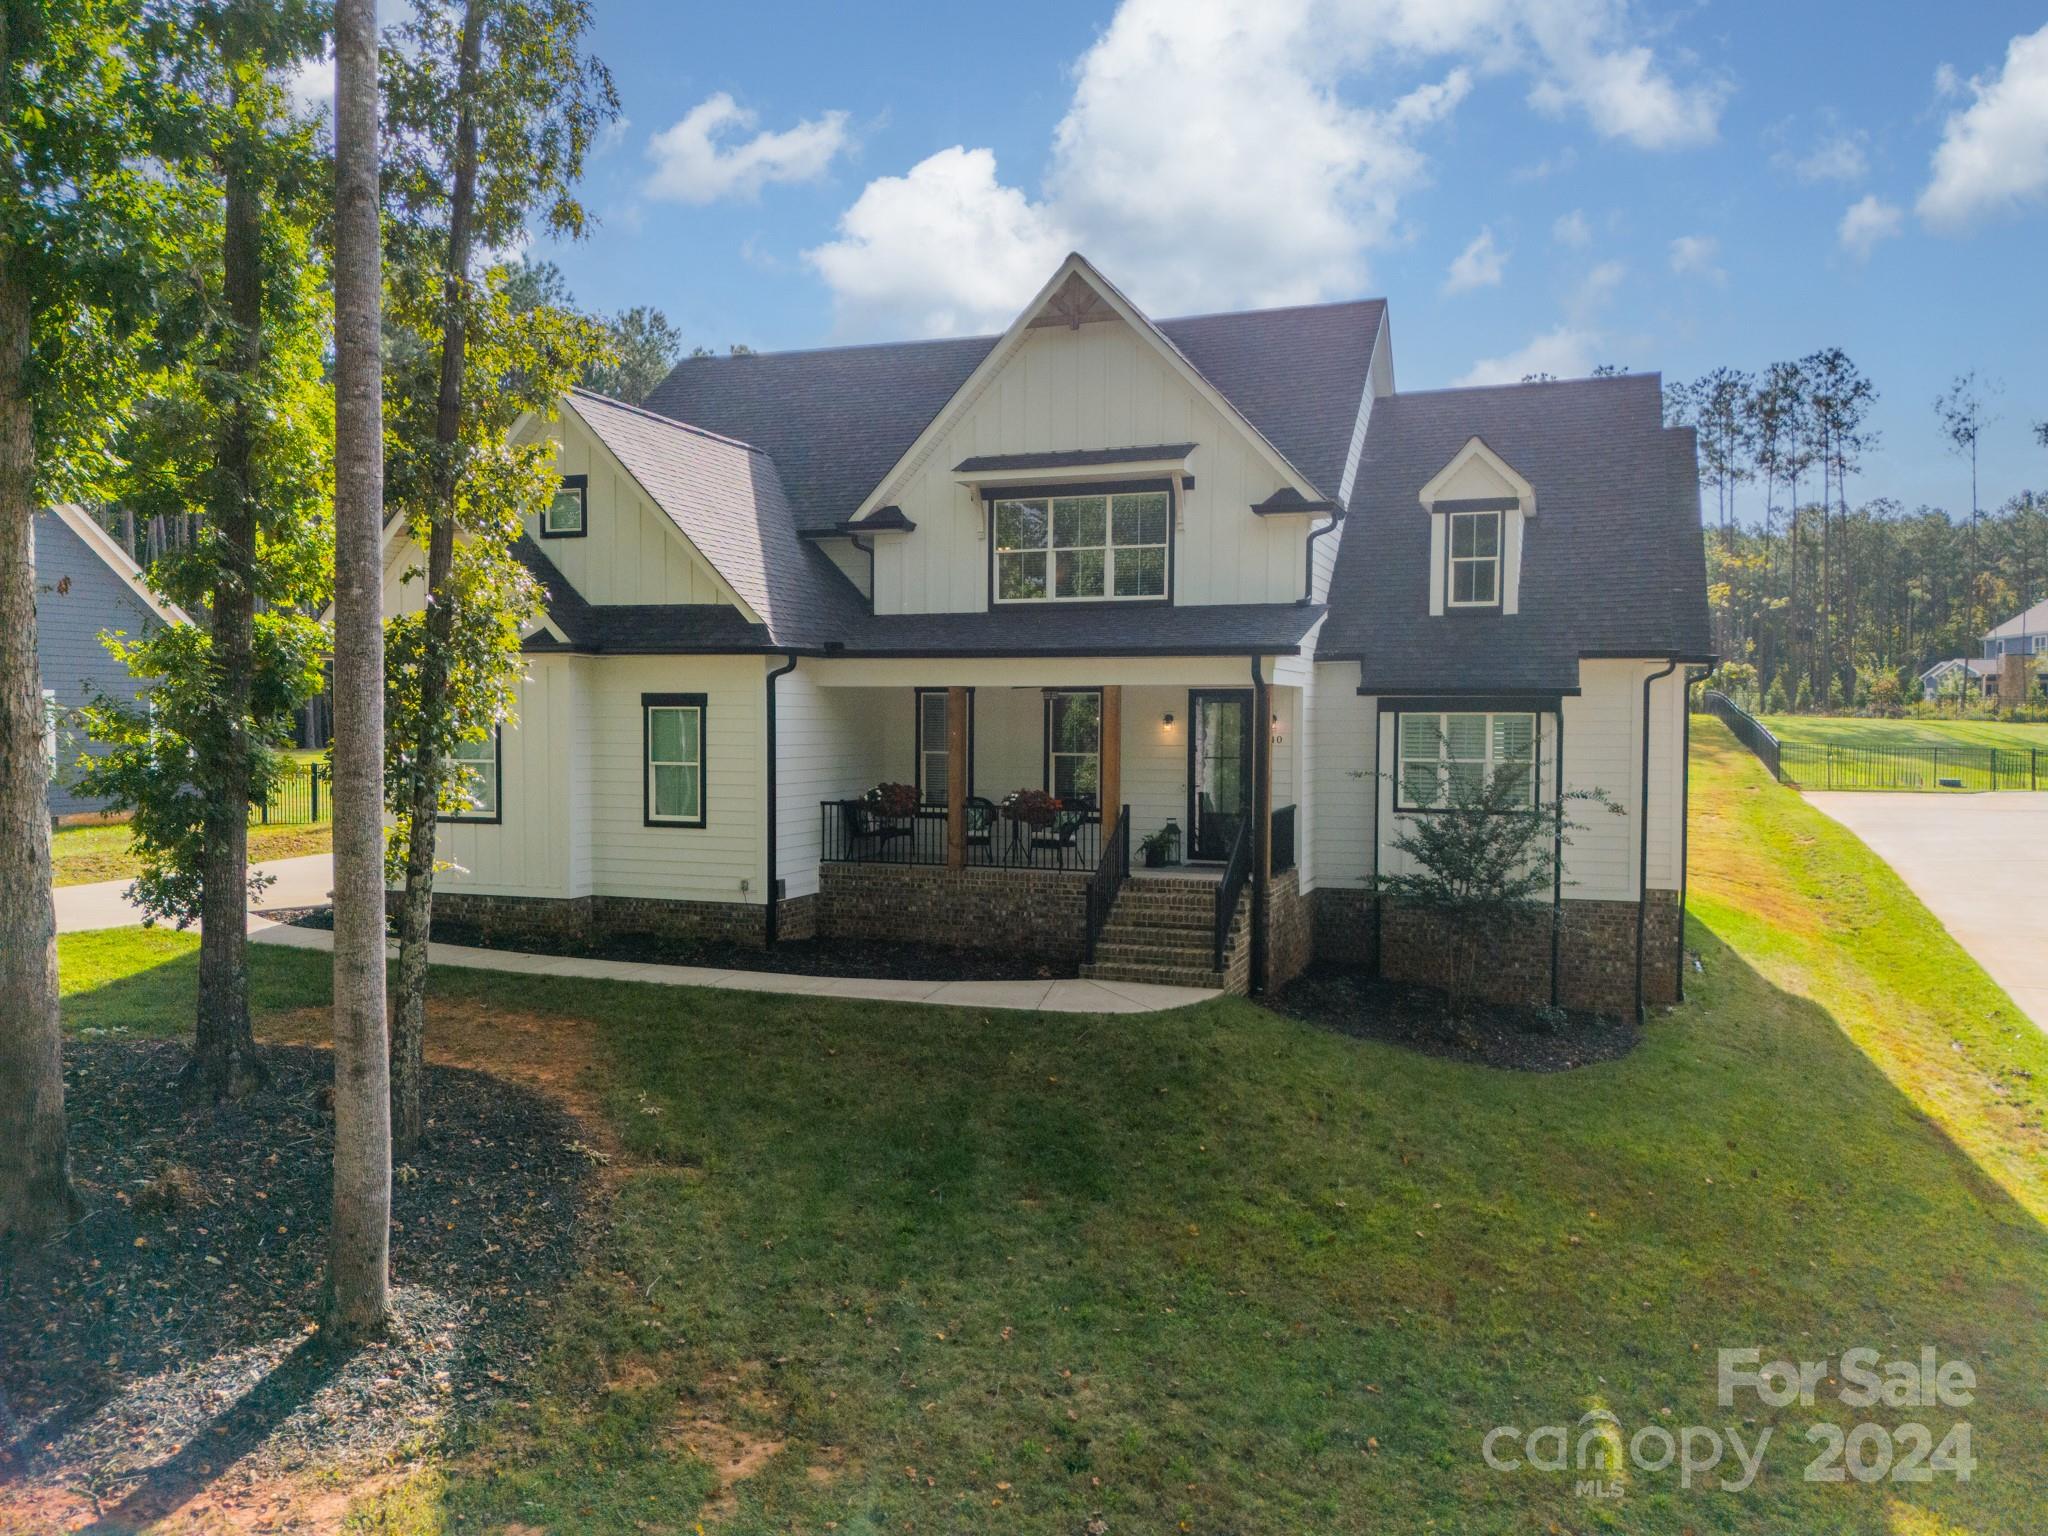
{"points": [[303, 882], [1980, 862]]}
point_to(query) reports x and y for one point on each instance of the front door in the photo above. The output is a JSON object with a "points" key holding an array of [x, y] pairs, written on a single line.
{"points": [[1219, 770]]}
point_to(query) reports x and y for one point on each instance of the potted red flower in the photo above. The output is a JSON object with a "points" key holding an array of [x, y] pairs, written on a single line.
{"points": [[1034, 807], [897, 802]]}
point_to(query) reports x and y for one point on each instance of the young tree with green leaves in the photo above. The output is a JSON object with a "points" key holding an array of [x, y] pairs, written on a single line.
{"points": [[84, 240], [643, 344], [491, 106], [1964, 411], [238, 427]]}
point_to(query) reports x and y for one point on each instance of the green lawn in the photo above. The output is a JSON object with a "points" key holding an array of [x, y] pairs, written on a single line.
{"points": [[83, 855], [1218, 1271], [1847, 731]]}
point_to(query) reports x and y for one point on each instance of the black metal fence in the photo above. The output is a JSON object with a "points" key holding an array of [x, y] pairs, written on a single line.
{"points": [[1236, 870], [854, 832], [1749, 730], [1928, 766], [1827, 766], [300, 797]]}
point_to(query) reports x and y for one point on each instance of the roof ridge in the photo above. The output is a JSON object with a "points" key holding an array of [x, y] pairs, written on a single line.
{"points": [[666, 421], [1271, 309], [1585, 378]]}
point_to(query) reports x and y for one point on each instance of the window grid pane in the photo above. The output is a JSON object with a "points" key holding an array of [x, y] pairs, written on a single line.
{"points": [[1439, 753], [675, 761], [1082, 547]]}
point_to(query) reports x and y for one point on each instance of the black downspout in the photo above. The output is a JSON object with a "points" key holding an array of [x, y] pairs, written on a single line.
{"points": [[1262, 824], [867, 549], [1643, 839], [1308, 579], [774, 922], [1557, 867], [1685, 817], [1379, 927]]}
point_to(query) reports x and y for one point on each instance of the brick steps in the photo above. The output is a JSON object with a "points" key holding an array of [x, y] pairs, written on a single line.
{"points": [[1161, 932]]}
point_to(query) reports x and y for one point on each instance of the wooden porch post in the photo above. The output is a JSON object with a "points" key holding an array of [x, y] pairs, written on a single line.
{"points": [[1112, 786], [956, 778]]}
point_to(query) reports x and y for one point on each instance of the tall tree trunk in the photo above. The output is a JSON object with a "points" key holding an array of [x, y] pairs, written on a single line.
{"points": [[416, 913], [359, 1244], [35, 1180], [224, 1061]]}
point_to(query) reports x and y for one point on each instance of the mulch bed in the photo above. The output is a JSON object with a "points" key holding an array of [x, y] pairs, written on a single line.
{"points": [[1522, 1039], [169, 1335], [790, 957]]}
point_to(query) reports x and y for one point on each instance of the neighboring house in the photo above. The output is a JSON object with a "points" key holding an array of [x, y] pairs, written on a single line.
{"points": [[1216, 571], [1968, 677], [2024, 634], [85, 585]]}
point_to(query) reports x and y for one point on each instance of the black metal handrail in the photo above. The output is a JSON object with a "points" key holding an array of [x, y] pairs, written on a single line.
{"points": [[1236, 870], [1111, 871], [1283, 840], [1749, 730]]}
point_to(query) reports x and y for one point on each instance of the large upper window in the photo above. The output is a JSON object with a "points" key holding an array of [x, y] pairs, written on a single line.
{"points": [[673, 739], [1475, 560], [477, 793], [568, 515], [1061, 548], [1073, 745], [1443, 755]]}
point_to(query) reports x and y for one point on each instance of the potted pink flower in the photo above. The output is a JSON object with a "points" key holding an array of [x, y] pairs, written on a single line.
{"points": [[1034, 807], [897, 802]]}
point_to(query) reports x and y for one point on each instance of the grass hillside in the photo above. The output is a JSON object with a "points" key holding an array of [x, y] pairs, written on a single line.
{"points": [[1845, 731], [895, 1269]]}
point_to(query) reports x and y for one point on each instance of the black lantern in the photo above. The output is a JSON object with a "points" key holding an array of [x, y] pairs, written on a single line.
{"points": [[1162, 848]]}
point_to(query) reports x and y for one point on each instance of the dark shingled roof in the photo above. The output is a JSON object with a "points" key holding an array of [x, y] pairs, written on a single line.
{"points": [[1110, 629], [1612, 564], [836, 420]]}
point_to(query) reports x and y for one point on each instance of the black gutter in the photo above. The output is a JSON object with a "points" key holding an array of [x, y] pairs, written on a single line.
{"points": [[1557, 867], [774, 923], [1308, 575], [1684, 818], [1643, 838], [1262, 820]]}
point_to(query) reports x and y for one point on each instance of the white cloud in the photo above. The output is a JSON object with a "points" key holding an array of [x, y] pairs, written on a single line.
{"points": [[1565, 353], [1994, 152], [1174, 169], [1839, 157], [1697, 256], [1479, 265], [1572, 230], [702, 158], [1867, 222], [943, 250], [1596, 289]]}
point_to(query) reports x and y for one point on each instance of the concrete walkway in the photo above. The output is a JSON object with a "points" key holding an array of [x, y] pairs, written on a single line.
{"points": [[1029, 996], [1980, 862], [303, 882]]}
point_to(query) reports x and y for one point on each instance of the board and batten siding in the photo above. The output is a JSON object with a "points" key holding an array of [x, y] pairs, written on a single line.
{"points": [[1101, 386], [632, 553]]}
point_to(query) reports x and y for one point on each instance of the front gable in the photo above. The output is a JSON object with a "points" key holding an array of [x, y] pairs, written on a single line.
{"points": [[1480, 487], [1085, 391]]}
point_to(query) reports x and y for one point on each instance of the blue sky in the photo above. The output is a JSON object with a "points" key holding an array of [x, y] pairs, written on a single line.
{"points": [[1549, 184]]}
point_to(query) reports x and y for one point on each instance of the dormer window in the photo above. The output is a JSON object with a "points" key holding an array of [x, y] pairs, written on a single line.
{"points": [[1475, 559], [1101, 546]]}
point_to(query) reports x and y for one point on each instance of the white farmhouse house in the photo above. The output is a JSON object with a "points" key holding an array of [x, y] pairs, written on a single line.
{"points": [[1092, 580]]}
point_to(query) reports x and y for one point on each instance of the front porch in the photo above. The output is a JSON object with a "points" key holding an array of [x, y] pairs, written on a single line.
{"points": [[1011, 812]]}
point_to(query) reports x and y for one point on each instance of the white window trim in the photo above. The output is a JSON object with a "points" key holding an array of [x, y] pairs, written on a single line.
{"points": [[580, 486], [1490, 763], [1497, 560], [475, 770], [1053, 754], [1109, 547]]}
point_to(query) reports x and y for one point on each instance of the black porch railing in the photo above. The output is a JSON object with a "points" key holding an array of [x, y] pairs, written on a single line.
{"points": [[1111, 871], [1236, 870], [854, 832], [1283, 840]]}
